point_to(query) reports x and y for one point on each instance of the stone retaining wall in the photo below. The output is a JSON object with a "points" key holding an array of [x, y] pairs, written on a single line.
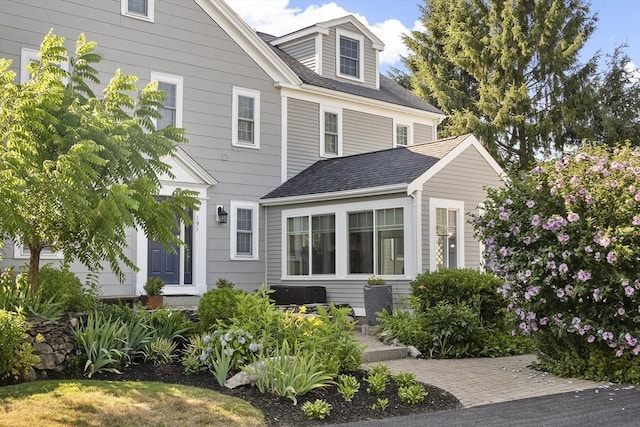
{"points": [[52, 341]]}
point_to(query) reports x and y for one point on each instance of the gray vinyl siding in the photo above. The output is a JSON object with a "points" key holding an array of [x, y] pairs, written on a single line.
{"points": [[422, 133], [348, 291], [303, 135], [362, 132], [463, 179], [183, 41], [329, 57], [304, 51]]}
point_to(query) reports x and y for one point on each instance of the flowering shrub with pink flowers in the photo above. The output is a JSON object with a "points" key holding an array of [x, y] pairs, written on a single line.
{"points": [[565, 238]]}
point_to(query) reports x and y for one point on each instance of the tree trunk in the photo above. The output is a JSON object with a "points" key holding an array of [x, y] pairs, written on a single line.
{"points": [[34, 266]]}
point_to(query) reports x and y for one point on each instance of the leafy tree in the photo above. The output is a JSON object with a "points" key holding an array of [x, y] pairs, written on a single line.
{"points": [[76, 170], [505, 70], [617, 117]]}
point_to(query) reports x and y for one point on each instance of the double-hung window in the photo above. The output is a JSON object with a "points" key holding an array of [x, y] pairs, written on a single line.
{"points": [[246, 118], [171, 110], [376, 242], [331, 128], [27, 56], [447, 234], [311, 245], [244, 230], [402, 135], [349, 63], [139, 9]]}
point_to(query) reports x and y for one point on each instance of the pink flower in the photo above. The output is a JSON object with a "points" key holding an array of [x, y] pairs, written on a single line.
{"points": [[563, 268], [535, 220], [544, 321], [619, 353], [596, 293], [591, 339], [621, 311], [636, 220], [604, 241], [530, 204], [607, 336], [628, 291], [504, 215], [583, 275], [573, 217], [611, 257], [560, 293], [637, 197]]}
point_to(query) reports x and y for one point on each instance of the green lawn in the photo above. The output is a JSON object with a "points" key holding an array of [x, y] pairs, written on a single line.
{"points": [[106, 403]]}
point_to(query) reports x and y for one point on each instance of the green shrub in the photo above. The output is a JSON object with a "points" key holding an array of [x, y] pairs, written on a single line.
{"points": [[192, 361], [256, 313], [404, 379], [317, 410], [348, 386], [169, 324], [16, 296], [464, 286], [381, 404], [67, 289], [224, 283], [412, 394], [563, 237], [217, 307], [454, 330], [16, 355], [407, 326], [160, 351], [102, 343], [377, 379]]}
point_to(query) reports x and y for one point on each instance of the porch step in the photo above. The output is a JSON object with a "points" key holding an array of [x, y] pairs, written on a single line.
{"points": [[376, 351], [181, 302]]}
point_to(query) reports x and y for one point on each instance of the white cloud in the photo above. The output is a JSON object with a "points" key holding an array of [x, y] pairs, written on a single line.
{"points": [[277, 18], [630, 67]]}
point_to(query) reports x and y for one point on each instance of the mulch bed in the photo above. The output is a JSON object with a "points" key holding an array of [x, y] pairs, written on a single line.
{"points": [[281, 411]]}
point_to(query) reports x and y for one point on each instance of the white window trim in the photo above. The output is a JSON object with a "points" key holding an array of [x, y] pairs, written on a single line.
{"points": [[341, 212], [458, 205], [238, 91], [27, 55], [338, 112], [179, 82], [233, 221], [395, 133], [19, 252], [149, 17], [360, 39]]}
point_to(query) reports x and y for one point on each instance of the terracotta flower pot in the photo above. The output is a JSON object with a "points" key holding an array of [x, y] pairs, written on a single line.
{"points": [[154, 301]]}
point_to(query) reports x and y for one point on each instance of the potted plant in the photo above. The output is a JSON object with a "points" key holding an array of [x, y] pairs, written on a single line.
{"points": [[153, 288], [377, 297]]}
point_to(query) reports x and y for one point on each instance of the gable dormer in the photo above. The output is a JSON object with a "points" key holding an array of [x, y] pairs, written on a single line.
{"points": [[342, 49]]}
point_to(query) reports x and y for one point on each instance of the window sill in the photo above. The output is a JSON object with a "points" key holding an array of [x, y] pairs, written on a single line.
{"points": [[139, 17], [350, 77], [246, 145], [244, 258]]}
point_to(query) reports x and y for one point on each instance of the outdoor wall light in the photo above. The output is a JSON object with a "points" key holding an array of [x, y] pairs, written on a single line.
{"points": [[222, 215]]}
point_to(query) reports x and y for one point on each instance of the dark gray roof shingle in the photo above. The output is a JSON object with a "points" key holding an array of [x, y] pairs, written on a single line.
{"points": [[389, 91], [400, 165]]}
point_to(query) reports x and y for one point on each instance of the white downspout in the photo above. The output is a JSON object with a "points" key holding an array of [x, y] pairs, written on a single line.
{"points": [[417, 208]]}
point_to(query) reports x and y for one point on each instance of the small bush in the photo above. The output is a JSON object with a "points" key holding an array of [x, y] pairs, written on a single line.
{"points": [[160, 351], [318, 410], [16, 356], [217, 307], [348, 386], [380, 404], [224, 283], [377, 379], [465, 286], [455, 331], [193, 359], [412, 394], [67, 289], [404, 379]]}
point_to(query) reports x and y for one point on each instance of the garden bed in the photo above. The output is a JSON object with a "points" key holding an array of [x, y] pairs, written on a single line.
{"points": [[281, 411]]}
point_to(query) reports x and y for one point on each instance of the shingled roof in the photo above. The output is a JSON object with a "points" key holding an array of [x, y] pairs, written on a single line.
{"points": [[377, 169], [389, 91]]}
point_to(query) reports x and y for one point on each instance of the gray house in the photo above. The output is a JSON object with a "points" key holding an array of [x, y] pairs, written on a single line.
{"points": [[297, 137]]}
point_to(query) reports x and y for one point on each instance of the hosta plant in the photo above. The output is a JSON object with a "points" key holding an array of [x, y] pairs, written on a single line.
{"points": [[317, 410]]}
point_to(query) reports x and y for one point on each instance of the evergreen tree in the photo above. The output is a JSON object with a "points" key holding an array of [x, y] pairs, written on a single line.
{"points": [[505, 70], [78, 171], [617, 118]]}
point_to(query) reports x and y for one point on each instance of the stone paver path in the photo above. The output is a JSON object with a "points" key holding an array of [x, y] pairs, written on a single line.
{"points": [[480, 381]]}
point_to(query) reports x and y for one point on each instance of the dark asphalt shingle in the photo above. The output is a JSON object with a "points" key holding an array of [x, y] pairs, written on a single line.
{"points": [[400, 165]]}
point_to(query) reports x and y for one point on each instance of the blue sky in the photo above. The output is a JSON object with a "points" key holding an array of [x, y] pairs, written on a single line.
{"points": [[619, 21]]}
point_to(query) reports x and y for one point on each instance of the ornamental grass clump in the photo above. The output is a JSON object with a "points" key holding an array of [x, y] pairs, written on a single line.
{"points": [[564, 239]]}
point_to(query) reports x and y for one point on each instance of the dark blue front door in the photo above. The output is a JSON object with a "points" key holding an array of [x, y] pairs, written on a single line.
{"points": [[163, 263]]}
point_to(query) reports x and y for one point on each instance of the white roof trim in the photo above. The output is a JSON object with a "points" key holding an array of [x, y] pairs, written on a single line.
{"points": [[346, 194], [299, 35], [249, 41], [341, 96], [183, 162], [376, 42], [468, 141]]}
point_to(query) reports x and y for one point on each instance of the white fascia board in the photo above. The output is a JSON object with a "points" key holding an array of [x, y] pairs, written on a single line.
{"points": [[347, 194], [249, 41], [298, 35], [195, 170], [321, 95], [375, 41], [468, 141]]}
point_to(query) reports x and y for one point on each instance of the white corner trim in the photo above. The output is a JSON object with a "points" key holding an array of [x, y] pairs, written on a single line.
{"points": [[284, 162], [318, 69], [417, 208]]}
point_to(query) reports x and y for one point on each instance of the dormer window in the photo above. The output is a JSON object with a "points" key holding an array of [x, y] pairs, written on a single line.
{"points": [[349, 63], [349, 56]]}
